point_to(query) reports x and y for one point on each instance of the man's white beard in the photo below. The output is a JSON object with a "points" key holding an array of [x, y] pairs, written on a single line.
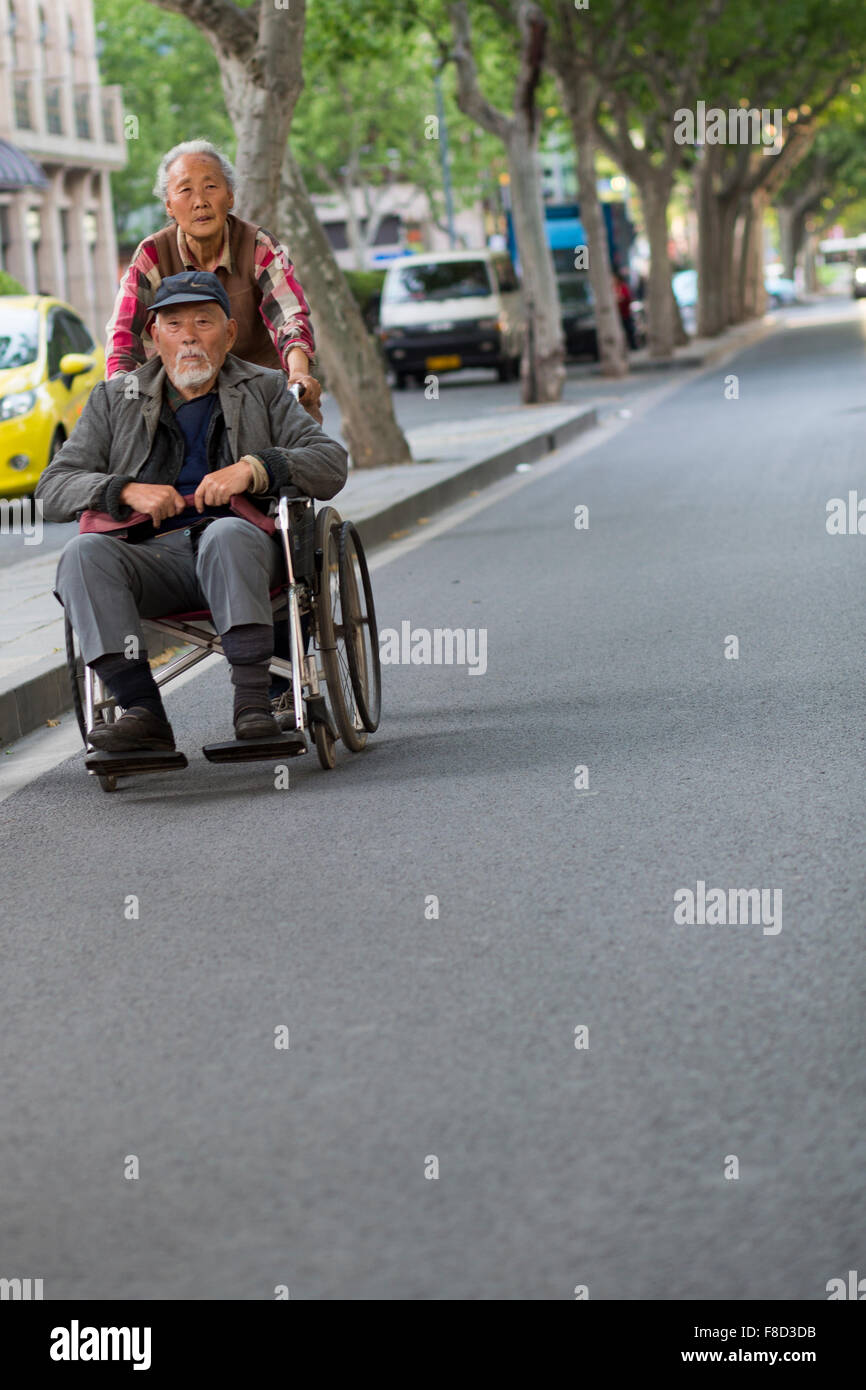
{"points": [[190, 372]]}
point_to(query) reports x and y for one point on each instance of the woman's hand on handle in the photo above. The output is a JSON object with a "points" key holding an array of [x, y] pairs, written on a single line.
{"points": [[311, 393]]}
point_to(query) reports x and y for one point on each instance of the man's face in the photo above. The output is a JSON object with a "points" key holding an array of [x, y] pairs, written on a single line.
{"points": [[192, 341], [198, 197]]}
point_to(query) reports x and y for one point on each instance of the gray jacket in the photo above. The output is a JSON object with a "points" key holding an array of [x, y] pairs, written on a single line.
{"points": [[111, 444]]}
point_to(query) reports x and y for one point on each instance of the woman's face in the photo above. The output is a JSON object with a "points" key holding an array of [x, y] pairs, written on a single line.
{"points": [[198, 197]]}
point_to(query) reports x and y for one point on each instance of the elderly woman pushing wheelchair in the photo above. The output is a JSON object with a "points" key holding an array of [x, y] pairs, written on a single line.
{"points": [[196, 183]]}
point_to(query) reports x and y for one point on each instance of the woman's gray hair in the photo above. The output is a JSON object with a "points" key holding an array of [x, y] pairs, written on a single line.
{"points": [[160, 188]]}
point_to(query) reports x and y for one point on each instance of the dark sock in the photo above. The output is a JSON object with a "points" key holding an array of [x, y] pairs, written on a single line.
{"points": [[130, 682], [249, 649]]}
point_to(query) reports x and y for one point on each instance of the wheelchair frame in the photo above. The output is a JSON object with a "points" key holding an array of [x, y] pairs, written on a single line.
{"points": [[345, 649]]}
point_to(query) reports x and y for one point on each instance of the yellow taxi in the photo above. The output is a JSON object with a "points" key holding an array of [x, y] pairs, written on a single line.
{"points": [[49, 364]]}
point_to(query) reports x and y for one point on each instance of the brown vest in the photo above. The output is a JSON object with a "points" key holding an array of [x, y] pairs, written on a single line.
{"points": [[254, 343]]}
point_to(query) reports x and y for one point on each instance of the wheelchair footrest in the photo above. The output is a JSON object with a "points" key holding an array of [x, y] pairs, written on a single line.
{"points": [[132, 764], [254, 750]]}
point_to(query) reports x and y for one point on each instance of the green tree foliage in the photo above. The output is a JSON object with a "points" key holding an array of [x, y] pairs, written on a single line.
{"points": [[9, 285], [171, 86], [366, 116]]}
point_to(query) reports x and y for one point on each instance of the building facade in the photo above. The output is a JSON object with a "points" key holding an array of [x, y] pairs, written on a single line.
{"points": [[57, 236]]}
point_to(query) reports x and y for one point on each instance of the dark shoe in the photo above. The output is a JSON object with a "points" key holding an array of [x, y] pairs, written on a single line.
{"points": [[135, 729], [283, 709], [256, 723]]}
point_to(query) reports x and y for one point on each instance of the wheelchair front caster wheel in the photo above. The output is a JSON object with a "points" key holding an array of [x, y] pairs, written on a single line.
{"points": [[326, 747], [108, 784]]}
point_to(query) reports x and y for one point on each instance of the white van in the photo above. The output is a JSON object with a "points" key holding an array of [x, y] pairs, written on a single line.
{"points": [[443, 311]]}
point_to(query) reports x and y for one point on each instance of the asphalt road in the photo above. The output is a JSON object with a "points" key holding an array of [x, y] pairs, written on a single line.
{"points": [[455, 1037]]}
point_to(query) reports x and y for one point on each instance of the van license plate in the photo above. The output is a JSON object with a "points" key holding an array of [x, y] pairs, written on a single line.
{"points": [[442, 364]]}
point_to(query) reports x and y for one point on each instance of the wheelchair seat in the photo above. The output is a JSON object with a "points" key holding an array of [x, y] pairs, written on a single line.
{"points": [[202, 614]]}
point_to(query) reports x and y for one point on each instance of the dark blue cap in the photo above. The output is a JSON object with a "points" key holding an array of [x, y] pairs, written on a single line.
{"points": [[190, 287]]}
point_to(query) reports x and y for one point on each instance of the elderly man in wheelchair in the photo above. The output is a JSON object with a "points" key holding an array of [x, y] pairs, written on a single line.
{"points": [[171, 470]]}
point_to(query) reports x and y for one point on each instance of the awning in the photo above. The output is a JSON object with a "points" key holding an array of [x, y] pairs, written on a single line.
{"points": [[18, 170]]}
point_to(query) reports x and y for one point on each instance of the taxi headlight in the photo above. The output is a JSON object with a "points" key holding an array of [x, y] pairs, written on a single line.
{"points": [[18, 403]]}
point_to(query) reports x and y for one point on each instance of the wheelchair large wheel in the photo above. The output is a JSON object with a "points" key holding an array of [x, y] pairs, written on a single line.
{"points": [[75, 668], [362, 635], [334, 605]]}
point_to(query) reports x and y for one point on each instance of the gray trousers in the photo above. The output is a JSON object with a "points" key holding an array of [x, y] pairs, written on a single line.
{"points": [[107, 585]]}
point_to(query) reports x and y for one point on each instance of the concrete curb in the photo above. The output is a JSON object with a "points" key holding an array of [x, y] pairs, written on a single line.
{"points": [[44, 689]]}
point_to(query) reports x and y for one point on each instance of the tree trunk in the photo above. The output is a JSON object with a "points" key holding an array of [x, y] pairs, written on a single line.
{"points": [[717, 216], [541, 369], [350, 358], [739, 260], [710, 318], [754, 296], [797, 235], [810, 270], [655, 194], [576, 95], [542, 372], [262, 79], [681, 337], [787, 218]]}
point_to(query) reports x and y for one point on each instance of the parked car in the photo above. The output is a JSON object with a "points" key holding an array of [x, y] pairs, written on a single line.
{"points": [[780, 291], [49, 364], [441, 312], [685, 288], [577, 305]]}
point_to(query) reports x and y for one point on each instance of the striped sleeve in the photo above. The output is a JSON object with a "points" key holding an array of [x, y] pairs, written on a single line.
{"points": [[127, 346], [284, 307]]}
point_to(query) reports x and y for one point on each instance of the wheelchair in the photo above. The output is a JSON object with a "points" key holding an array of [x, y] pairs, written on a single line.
{"points": [[333, 643]]}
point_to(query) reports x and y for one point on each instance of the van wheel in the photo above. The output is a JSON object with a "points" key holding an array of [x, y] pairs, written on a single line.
{"points": [[508, 369], [58, 439], [400, 379]]}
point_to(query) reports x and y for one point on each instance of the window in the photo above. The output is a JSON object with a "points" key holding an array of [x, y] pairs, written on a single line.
{"points": [[43, 26], [5, 236], [78, 334], [82, 115], [22, 104], [19, 337], [388, 232], [336, 234], [71, 37], [437, 280], [59, 341], [53, 113], [108, 125], [12, 30]]}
